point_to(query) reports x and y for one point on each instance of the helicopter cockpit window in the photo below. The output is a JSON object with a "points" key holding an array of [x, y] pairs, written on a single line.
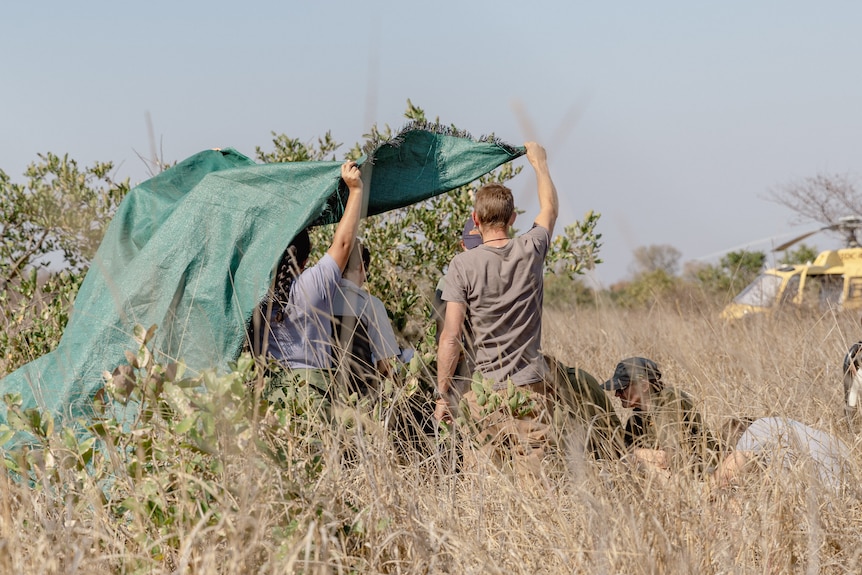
{"points": [[824, 291], [790, 290], [761, 292]]}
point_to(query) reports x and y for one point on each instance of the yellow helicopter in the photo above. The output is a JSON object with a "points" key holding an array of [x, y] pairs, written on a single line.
{"points": [[832, 281]]}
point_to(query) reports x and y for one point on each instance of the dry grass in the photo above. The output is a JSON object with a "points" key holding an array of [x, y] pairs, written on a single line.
{"points": [[380, 513]]}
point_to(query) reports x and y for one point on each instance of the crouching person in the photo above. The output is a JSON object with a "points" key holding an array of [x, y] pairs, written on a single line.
{"points": [[596, 425], [665, 431], [785, 448]]}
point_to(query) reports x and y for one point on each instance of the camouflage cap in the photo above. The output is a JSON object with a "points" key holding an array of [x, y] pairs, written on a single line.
{"points": [[632, 368]]}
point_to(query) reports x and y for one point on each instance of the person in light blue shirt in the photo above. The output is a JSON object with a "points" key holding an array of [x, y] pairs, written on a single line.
{"points": [[300, 321]]}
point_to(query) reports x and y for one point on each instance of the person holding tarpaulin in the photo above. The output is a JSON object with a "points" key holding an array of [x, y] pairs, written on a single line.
{"points": [[300, 328], [499, 287]]}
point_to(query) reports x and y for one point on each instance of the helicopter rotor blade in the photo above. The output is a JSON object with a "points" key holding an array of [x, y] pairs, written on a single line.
{"points": [[528, 132], [564, 128], [568, 123], [789, 243], [372, 89], [526, 125], [154, 156]]}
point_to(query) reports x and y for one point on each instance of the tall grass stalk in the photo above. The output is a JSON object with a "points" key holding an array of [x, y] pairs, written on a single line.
{"points": [[349, 498]]}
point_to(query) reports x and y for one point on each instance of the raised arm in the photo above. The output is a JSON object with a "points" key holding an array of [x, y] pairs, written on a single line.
{"points": [[345, 231], [549, 203]]}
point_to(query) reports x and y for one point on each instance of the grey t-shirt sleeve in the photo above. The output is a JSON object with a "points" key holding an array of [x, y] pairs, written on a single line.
{"points": [[541, 239], [455, 288]]}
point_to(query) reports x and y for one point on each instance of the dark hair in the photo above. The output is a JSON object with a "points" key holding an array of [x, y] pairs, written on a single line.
{"points": [[366, 258], [302, 243], [290, 265]]}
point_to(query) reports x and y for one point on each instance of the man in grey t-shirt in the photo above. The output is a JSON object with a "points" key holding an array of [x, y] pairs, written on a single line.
{"points": [[501, 285], [470, 239], [498, 287]]}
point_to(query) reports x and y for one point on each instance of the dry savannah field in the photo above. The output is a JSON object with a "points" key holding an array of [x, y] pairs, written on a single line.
{"points": [[381, 511]]}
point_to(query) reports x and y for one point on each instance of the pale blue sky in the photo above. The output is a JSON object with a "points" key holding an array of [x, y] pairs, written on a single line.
{"points": [[688, 112]]}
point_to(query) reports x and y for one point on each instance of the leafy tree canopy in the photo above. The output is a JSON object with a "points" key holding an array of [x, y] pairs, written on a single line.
{"points": [[61, 211], [735, 271], [652, 258]]}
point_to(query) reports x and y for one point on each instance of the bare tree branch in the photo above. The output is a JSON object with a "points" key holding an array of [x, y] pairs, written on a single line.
{"points": [[823, 198]]}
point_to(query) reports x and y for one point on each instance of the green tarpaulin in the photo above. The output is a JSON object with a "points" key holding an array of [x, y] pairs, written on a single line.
{"points": [[192, 251]]}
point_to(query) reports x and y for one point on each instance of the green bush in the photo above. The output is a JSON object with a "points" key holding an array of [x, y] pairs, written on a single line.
{"points": [[53, 221], [175, 468], [34, 313], [735, 271]]}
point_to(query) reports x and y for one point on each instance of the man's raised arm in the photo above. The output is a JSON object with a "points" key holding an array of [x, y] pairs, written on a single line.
{"points": [[549, 203]]}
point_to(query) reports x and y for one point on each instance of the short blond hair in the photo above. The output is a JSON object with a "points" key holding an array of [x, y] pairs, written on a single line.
{"points": [[494, 206]]}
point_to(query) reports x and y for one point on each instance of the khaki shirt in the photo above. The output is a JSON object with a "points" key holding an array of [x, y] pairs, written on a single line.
{"points": [[674, 425]]}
